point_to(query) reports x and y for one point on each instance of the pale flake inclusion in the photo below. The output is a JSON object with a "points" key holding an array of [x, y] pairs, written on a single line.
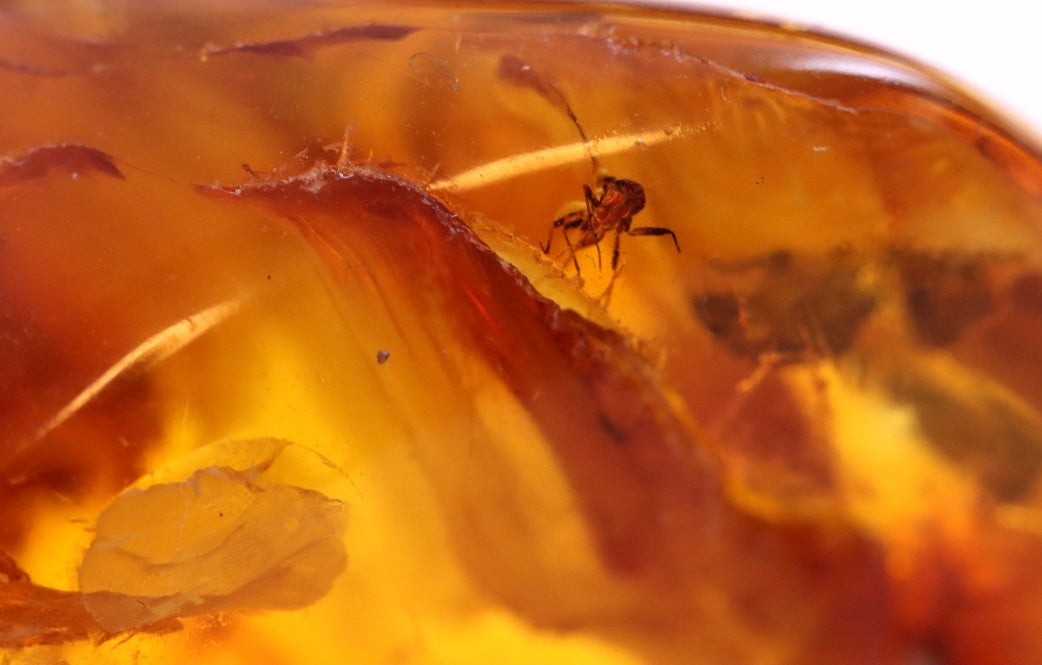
{"points": [[222, 539]]}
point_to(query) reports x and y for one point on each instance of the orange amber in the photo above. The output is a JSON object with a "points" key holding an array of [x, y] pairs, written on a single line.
{"points": [[286, 375]]}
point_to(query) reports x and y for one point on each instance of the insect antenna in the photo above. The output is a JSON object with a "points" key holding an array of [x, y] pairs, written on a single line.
{"points": [[515, 70]]}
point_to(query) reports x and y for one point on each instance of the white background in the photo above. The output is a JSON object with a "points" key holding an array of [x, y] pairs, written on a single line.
{"points": [[994, 48]]}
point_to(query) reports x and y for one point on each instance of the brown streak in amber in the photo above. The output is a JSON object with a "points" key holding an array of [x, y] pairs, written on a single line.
{"points": [[69, 158], [305, 45], [31, 70]]}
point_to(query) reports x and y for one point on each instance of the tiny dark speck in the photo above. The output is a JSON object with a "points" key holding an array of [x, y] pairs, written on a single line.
{"points": [[220, 514], [269, 276], [617, 436], [382, 356]]}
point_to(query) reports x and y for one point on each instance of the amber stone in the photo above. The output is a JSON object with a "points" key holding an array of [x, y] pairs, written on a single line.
{"points": [[314, 349]]}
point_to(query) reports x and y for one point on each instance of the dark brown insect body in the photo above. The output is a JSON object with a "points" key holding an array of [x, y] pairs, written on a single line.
{"points": [[613, 210], [619, 199]]}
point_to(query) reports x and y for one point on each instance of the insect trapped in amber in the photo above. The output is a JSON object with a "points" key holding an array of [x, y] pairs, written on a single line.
{"points": [[291, 373]]}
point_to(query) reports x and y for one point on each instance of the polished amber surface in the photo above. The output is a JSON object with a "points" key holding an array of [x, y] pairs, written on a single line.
{"points": [[286, 375]]}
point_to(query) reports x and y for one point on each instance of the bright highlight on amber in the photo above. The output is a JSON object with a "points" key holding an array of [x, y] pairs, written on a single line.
{"points": [[289, 372]]}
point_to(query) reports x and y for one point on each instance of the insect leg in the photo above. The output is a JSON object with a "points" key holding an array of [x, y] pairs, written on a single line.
{"points": [[549, 238], [654, 231], [571, 220], [615, 254], [568, 241], [591, 201]]}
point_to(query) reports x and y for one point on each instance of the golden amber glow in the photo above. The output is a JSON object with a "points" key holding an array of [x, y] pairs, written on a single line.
{"points": [[286, 375]]}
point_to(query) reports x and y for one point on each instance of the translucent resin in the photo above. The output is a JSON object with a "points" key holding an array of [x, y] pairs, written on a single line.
{"points": [[290, 373]]}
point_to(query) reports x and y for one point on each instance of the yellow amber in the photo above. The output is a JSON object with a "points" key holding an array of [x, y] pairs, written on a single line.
{"points": [[287, 376]]}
